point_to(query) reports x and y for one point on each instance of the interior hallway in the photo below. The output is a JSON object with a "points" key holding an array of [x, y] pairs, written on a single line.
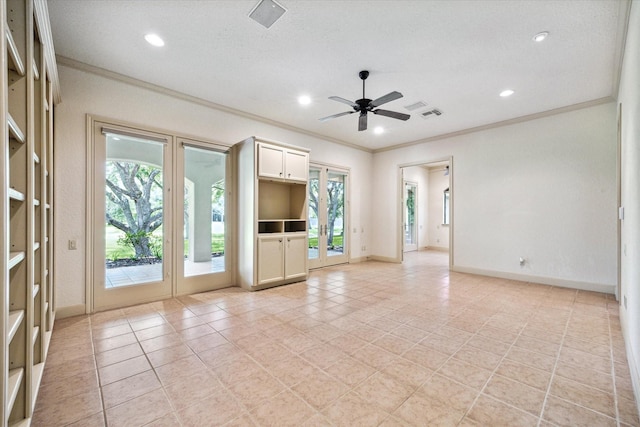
{"points": [[362, 344]]}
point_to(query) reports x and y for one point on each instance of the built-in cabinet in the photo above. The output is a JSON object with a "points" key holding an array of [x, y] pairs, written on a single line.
{"points": [[272, 213], [26, 186]]}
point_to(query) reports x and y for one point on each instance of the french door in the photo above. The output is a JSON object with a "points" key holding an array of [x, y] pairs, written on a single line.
{"points": [[410, 199], [328, 220], [158, 217]]}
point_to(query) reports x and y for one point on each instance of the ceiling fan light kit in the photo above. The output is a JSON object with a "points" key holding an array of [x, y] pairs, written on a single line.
{"points": [[365, 105]]}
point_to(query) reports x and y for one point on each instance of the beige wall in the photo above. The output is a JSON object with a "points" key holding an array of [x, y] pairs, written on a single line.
{"points": [[86, 93], [543, 189]]}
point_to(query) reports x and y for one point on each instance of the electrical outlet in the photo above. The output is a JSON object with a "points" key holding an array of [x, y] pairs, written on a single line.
{"points": [[73, 245]]}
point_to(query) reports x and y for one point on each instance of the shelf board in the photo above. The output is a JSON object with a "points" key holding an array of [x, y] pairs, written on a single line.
{"points": [[15, 318], [47, 206], [36, 289], [14, 130], [15, 258], [25, 422], [36, 246], [36, 333], [36, 378], [36, 202], [15, 379], [16, 195], [15, 60], [36, 73], [36, 159]]}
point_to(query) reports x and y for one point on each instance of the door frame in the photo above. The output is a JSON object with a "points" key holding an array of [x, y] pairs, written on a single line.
{"points": [[321, 261], [142, 130], [399, 209]]}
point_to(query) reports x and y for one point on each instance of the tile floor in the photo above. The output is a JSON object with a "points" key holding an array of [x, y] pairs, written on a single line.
{"points": [[362, 344]]}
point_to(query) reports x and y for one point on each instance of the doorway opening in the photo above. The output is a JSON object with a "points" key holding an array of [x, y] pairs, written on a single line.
{"points": [[425, 211]]}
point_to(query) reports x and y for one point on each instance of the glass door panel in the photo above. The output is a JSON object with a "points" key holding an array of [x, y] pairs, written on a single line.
{"points": [[314, 217], [131, 239], [335, 229], [327, 217], [203, 227], [410, 203]]}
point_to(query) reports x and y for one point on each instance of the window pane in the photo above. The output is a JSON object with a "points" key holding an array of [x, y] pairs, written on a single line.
{"points": [[134, 211], [314, 195], [335, 214], [204, 211]]}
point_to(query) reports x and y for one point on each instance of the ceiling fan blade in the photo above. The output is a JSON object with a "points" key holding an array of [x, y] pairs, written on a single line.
{"points": [[344, 101], [362, 122], [392, 114], [391, 96], [324, 119]]}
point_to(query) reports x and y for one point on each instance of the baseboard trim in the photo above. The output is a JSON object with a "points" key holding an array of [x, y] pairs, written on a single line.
{"points": [[70, 311], [384, 259], [436, 248], [563, 283], [359, 259], [634, 369]]}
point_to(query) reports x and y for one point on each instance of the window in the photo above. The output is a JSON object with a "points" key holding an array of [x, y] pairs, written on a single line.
{"points": [[445, 207]]}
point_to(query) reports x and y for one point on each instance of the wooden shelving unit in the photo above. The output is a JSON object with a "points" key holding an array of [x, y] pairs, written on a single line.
{"points": [[26, 119], [272, 213]]}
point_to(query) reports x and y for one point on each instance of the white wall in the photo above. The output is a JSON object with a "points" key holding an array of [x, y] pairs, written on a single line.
{"points": [[438, 233], [85, 93], [544, 189], [420, 176], [629, 97]]}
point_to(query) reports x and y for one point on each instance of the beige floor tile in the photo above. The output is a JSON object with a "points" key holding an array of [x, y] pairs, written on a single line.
{"points": [[319, 389], [139, 411], [283, 409], [583, 395], [190, 388], [516, 394], [528, 375], [69, 410], [118, 371], [95, 420], [167, 355], [116, 355], [255, 389], [563, 413], [384, 391], [344, 348], [129, 388], [350, 371], [465, 373], [354, 410], [490, 412]]}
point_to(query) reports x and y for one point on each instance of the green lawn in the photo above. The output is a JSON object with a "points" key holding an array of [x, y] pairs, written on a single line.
{"points": [[115, 251], [337, 241]]}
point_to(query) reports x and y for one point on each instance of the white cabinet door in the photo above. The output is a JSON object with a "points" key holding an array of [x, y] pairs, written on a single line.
{"points": [[296, 165], [270, 161], [270, 259], [295, 259]]}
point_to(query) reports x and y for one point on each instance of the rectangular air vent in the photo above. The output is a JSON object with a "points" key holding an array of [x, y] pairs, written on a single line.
{"points": [[431, 113], [416, 105]]}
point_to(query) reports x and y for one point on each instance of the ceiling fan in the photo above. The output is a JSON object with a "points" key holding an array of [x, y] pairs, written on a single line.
{"points": [[365, 105]]}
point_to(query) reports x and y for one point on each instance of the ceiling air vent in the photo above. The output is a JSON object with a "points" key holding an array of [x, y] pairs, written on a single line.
{"points": [[431, 113], [416, 105]]}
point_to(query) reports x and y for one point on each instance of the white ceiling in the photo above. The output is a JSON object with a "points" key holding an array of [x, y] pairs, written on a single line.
{"points": [[453, 55]]}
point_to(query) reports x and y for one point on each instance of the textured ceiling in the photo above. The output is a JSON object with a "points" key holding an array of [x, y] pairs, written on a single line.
{"points": [[454, 55]]}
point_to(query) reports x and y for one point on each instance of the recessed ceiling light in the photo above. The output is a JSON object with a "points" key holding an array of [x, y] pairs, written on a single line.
{"points": [[154, 40], [540, 36], [378, 130], [304, 100], [506, 93]]}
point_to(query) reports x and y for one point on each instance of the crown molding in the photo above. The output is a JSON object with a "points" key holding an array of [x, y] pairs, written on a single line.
{"points": [[529, 117], [81, 66]]}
